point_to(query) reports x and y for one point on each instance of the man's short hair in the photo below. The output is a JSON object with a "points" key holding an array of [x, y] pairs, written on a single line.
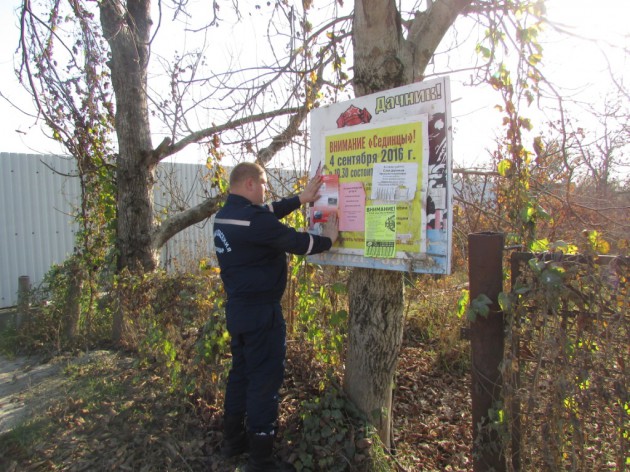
{"points": [[244, 171]]}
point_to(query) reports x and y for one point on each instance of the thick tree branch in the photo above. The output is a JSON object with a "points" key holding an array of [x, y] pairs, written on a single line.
{"points": [[281, 140], [176, 223], [428, 29]]}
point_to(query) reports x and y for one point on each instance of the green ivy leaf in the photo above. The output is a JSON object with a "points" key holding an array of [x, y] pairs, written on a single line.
{"points": [[564, 247], [540, 245], [528, 213], [505, 302], [536, 266], [462, 303], [552, 276], [597, 242], [504, 167], [479, 306], [521, 289]]}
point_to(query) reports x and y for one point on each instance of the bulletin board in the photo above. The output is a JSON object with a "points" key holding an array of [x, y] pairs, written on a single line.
{"points": [[385, 160]]}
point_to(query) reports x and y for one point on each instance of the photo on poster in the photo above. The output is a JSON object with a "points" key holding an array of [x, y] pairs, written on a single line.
{"points": [[328, 200]]}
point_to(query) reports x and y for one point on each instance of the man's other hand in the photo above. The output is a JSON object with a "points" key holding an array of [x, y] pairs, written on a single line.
{"points": [[331, 227]]}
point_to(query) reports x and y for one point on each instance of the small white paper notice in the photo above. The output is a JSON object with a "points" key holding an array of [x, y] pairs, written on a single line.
{"points": [[394, 182]]}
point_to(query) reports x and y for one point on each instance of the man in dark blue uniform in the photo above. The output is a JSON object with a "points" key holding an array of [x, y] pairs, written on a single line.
{"points": [[251, 245]]}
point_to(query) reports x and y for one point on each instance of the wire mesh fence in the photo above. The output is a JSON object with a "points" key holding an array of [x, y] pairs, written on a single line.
{"points": [[567, 363]]}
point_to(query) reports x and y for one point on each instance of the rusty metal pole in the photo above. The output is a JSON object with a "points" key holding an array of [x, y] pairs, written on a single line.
{"points": [[485, 275]]}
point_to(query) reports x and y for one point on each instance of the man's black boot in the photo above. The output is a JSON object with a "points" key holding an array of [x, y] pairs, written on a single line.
{"points": [[234, 436], [261, 455]]}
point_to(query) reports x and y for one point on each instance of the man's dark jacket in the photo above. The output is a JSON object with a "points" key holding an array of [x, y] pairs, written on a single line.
{"points": [[251, 245]]}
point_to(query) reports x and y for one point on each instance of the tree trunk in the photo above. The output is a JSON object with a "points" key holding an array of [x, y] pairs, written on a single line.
{"points": [[384, 59], [127, 31], [127, 28], [374, 340], [375, 323], [380, 52]]}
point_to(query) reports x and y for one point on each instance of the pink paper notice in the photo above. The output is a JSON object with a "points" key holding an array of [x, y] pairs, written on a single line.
{"points": [[351, 206]]}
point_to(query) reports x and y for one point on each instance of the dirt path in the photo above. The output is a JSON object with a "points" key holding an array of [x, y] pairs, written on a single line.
{"points": [[26, 387]]}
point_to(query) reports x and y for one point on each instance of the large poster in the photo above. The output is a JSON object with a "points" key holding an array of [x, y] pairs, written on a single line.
{"points": [[385, 159]]}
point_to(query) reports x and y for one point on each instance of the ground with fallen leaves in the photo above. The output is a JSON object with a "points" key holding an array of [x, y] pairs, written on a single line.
{"points": [[132, 422]]}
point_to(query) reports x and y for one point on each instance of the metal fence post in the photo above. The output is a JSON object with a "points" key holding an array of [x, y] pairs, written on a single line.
{"points": [[485, 275]]}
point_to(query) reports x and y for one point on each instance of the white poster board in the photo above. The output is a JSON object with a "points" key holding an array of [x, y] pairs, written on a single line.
{"points": [[386, 161]]}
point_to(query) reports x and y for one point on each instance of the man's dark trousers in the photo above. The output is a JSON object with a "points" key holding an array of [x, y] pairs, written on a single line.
{"points": [[258, 348]]}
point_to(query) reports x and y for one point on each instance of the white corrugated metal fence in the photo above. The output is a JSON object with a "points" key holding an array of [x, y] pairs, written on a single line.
{"points": [[38, 196]]}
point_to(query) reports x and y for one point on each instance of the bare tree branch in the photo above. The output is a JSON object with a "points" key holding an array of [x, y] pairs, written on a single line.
{"points": [[166, 149]]}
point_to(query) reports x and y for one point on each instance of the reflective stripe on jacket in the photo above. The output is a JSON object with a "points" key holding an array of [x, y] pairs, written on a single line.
{"points": [[251, 245]]}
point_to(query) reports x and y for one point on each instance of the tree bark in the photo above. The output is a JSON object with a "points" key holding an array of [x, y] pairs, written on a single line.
{"points": [[126, 27], [183, 220], [384, 59], [380, 52], [375, 323], [374, 341], [127, 31]]}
